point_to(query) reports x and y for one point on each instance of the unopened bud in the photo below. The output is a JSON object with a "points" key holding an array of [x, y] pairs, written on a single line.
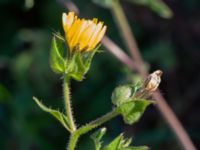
{"points": [[121, 94]]}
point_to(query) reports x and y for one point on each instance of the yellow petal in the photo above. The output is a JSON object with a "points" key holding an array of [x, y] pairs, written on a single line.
{"points": [[86, 35], [73, 28], [94, 35], [67, 20], [95, 20], [81, 25], [99, 37]]}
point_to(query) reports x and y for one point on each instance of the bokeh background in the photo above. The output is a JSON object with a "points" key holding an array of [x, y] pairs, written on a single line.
{"points": [[171, 45]]}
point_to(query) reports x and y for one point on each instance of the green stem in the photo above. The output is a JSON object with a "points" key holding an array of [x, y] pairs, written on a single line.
{"points": [[66, 92], [84, 129]]}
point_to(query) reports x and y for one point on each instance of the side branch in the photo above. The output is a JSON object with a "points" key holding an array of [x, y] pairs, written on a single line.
{"points": [[84, 129]]}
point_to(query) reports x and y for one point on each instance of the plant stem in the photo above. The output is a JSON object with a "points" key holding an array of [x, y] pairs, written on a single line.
{"points": [[167, 113], [84, 129], [127, 35], [66, 92]]}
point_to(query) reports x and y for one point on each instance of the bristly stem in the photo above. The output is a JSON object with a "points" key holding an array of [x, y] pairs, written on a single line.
{"points": [[66, 92], [84, 129]]}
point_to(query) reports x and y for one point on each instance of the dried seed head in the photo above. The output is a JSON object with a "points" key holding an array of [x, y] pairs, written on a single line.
{"points": [[153, 80], [149, 85]]}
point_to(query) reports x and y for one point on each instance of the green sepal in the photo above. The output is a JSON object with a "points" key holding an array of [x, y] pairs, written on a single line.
{"points": [[115, 144], [97, 136], [119, 143], [57, 61], [75, 67], [55, 113], [133, 110], [88, 56], [158, 6], [79, 64]]}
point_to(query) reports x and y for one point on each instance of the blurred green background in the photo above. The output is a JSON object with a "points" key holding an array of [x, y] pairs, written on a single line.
{"points": [[171, 45]]}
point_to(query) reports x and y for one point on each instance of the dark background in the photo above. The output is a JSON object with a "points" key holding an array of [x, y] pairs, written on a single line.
{"points": [[171, 45]]}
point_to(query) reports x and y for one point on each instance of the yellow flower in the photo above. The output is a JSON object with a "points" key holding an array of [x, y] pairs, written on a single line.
{"points": [[81, 34]]}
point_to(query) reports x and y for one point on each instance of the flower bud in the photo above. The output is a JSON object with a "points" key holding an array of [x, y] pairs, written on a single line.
{"points": [[121, 94]]}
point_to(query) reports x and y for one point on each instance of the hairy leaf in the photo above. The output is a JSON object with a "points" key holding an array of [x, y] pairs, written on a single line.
{"points": [[57, 61], [133, 110], [58, 115]]}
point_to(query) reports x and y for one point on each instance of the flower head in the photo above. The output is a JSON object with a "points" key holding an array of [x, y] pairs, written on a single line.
{"points": [[82, 34]]}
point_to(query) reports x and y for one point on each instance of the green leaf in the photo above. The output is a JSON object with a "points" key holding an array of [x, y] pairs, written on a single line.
{"points": [[158, 6], [126, 142], [58, 115], [115, 144], [96, 137], [120, 143], [103, 3], [57, 61], [133, 110], [135, 148]]}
